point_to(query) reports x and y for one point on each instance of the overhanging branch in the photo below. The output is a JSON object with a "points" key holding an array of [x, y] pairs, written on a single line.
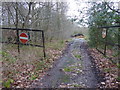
{"points": [[112, 8]]}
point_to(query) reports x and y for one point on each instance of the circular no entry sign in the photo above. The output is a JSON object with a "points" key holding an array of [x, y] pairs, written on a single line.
{"points": [[23, 37]]}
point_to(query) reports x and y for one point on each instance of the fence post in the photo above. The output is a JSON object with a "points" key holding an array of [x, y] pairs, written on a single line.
{"points": [[18, 41], [43, 44]]}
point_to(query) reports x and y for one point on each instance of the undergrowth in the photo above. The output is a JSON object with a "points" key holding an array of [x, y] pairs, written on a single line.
{"points": [[21, 69]]}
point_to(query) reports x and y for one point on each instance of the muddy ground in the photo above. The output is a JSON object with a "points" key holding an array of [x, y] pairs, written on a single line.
{"points": [[74, 69]]}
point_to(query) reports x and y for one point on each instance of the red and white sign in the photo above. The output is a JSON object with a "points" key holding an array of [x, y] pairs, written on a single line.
{"points": [[23, 37]]}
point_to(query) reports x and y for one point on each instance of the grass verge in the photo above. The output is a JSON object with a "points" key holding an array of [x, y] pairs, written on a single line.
{"points": [[20, 70]]}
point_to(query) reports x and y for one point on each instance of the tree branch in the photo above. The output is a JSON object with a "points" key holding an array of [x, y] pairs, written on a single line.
{"points": [[112, 8]]}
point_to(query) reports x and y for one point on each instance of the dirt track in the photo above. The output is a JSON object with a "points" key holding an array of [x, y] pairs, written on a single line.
{"points": [[73, 69]]}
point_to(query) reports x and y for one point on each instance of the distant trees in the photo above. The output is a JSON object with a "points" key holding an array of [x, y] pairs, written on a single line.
{"points": [[49, 16]]}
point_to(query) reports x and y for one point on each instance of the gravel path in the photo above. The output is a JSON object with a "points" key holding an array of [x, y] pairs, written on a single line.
{"points": [[73, 69]]}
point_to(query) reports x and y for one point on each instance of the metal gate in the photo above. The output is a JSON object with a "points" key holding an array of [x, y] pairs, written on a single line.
{"points": [[11, 36], [106, 43]]}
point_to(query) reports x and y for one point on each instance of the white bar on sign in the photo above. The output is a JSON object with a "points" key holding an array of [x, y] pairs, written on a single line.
{"points": [[24, 38]]}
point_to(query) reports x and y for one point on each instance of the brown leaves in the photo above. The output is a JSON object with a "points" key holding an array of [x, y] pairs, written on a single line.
{"points": [[107, 67], [30, 65]]}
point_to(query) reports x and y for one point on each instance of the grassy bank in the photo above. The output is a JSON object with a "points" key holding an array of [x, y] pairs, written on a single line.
{"points": [[20, 70]]}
